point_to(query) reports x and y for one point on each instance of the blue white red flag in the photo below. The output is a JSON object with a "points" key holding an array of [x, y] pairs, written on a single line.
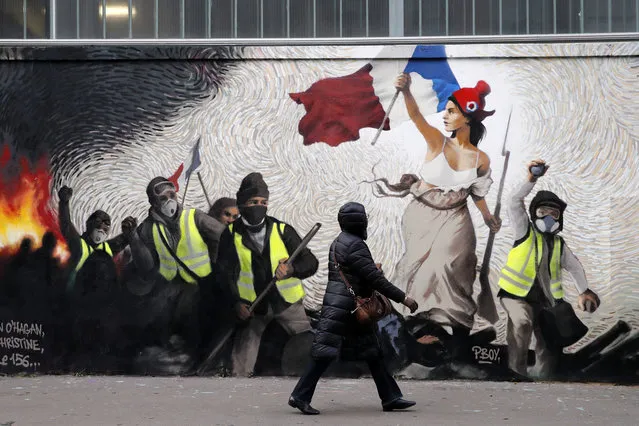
{"points": [[184, 171], [338, 108]]}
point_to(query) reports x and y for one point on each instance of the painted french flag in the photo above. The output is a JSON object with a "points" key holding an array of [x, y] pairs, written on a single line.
{"points": [[191, 164], [338, 108]]}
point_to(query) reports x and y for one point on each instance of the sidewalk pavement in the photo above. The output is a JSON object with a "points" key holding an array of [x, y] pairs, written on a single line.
{"points": [[115, 400]]}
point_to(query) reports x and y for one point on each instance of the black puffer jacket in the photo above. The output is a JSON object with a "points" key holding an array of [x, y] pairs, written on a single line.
{"points": [[337, 333]]}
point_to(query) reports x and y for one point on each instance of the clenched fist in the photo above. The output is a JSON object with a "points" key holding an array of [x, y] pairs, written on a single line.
{"points": [[129, 224], [493, 222], [536, 169], [65, 194], [402, 82], [588, 301], [411, 304], [242, 311], [283, 270]]}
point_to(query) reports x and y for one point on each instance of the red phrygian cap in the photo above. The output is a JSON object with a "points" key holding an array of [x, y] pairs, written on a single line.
{"points": [[472, 100]]}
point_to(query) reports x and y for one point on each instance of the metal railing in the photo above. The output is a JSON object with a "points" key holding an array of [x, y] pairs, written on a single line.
{"points": [[134, 19]]}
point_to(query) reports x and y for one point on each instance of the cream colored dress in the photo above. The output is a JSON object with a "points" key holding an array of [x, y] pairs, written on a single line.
{"points": [[438, 267]]}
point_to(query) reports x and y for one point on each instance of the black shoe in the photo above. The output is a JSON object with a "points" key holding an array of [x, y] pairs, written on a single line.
{"points": [[398, 404], [304, 407]]}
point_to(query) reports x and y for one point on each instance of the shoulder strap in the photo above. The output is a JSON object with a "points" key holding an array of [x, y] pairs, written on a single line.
{"points": [[341, 274], [477, 162], [177, 259]]}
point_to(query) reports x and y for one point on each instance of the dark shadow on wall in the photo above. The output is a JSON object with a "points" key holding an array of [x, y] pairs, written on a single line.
{"points": [[54, 99]]}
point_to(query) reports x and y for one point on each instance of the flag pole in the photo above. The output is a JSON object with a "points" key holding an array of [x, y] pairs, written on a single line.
{"points": [[186, 188], [208, 200], [381, 127], [194, 150]]}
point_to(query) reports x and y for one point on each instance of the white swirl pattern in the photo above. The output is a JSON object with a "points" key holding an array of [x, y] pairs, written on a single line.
{"points": [[580, 114]]}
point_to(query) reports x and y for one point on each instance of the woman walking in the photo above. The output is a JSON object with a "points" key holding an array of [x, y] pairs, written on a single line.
{"points": [[338, 334]]}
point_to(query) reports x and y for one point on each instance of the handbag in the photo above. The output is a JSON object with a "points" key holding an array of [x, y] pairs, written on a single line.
{"points": [[559, 324], [368, 310]]}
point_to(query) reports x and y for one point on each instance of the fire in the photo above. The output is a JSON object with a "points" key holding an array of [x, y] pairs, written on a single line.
{"points": [[24, 205]]}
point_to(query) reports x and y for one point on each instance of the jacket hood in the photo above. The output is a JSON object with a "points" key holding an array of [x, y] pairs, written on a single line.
{"points": [[353, 219]]}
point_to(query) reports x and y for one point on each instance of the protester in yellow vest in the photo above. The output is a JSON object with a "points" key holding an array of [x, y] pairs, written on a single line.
{"points": [[253, 249], [532, 276], [97, 229], [178, 247]]}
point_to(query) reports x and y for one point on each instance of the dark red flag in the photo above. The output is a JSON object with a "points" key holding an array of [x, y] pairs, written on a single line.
{"points": [[337, 108]]}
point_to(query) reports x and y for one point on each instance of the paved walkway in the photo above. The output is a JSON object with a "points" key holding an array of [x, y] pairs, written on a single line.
{"points": [[68, 400]]}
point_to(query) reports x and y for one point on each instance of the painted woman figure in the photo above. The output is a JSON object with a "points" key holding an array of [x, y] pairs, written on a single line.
{"points": [[438, 268]]}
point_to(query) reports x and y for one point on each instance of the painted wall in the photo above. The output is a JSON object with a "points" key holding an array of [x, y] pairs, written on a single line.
{"points": [[105, 121]]}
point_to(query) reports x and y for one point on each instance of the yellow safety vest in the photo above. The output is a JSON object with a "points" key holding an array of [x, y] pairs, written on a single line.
{"points": [[87, 250], [191, 250], [290, 289], [519, 273]]}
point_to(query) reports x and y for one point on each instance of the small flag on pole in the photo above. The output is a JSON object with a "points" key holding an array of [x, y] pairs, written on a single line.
{"points": [[183, 173]]}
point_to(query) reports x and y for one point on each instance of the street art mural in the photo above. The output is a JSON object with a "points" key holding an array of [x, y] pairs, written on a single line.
{"points": [[149, 197]]}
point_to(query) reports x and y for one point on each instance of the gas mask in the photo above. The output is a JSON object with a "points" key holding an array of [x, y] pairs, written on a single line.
{"points": [[254, 215], [164, 190], [98, 236], [547, 225], [547, 219], [169, 207]]}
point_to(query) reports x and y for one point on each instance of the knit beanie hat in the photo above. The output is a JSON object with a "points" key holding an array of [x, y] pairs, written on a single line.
{"points": [[252, 185]]}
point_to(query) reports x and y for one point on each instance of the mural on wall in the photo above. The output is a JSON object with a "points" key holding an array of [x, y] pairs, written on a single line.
{"points": [[149, 197]]}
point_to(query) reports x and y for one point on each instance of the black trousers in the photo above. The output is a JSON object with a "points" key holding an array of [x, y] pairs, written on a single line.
{"points": [[387, 387]]}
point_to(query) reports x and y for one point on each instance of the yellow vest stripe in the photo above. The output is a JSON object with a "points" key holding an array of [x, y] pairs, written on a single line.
{"points": [[516, 284], [288, 285], [168, 266], [87, 250], [291, 289], [515, 273], [245, 279], [191, 250], [519, 273]]}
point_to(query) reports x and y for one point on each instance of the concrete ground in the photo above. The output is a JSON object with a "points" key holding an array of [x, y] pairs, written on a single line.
{"points": [[69, 400]]}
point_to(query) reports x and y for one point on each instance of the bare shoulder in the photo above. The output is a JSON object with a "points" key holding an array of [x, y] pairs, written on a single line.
{"points": [[484, 163]]}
